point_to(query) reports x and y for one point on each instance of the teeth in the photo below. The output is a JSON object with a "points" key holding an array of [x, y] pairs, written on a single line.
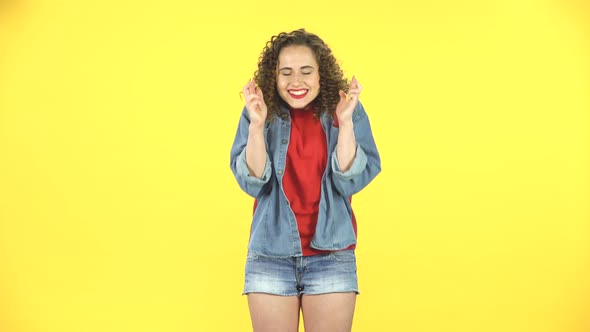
{"points": [[297, 92]]}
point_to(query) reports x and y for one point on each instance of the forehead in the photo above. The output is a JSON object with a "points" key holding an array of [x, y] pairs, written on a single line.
{"points": [[296, 56]]}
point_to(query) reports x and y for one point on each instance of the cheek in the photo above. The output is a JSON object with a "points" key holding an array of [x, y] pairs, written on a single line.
{"points": [[281, 84]]}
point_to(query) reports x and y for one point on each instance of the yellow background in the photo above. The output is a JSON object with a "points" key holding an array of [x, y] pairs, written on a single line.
{"points": [[118, 210]]}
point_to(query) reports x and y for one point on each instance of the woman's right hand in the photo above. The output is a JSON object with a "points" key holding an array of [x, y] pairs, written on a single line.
{"points": [[255, 103]]}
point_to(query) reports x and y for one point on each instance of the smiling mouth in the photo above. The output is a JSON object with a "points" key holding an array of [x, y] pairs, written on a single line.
{"points": [[298, 94]]}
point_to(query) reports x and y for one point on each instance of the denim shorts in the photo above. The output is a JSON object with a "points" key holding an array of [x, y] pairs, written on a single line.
{"points": [[333, 272]]}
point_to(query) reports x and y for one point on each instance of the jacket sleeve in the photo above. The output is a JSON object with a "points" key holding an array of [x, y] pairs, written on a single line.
{"points": [[250, 184], [366, 164]]}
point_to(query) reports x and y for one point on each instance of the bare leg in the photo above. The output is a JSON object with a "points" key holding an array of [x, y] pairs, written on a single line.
{"points": [[331, 312], [274, 313]]}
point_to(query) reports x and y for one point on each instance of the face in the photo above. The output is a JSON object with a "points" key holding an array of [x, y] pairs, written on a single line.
{"points": [[298, 76]]}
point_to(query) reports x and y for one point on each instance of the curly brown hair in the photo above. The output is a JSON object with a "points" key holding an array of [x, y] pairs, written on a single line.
{"points": [[331, 76]]}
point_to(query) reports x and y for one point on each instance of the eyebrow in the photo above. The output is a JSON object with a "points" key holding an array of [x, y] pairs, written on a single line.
{"points": [[289, 68]]}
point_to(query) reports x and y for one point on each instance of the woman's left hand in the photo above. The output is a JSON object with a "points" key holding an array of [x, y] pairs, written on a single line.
{"points": [[346, 105]]}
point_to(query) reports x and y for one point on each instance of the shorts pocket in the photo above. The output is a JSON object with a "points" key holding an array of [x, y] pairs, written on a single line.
{"points": [[344, 260], [343, 255]]}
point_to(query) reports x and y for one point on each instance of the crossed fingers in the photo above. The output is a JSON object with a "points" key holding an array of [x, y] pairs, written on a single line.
{"points": [[354, 89]]}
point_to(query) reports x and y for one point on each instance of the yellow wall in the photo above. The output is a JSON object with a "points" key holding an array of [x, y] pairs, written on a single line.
{"points": [[118, 210]]}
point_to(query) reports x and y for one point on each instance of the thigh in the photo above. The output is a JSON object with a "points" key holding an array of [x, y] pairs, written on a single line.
{"points": [[274, 312], [331, 312]]}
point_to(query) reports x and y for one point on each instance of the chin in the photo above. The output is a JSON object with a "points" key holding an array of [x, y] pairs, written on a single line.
{"points": [[298, 104]]}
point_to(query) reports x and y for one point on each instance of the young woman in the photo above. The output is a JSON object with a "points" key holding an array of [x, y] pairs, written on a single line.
{"points": [[302, 149]]}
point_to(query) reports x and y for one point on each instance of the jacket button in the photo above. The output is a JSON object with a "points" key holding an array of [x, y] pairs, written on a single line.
{"points": [[284, 141], [280, 172]]}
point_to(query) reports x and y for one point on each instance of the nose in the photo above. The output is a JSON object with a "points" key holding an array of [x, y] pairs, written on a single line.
{"points": [[296, 77]]}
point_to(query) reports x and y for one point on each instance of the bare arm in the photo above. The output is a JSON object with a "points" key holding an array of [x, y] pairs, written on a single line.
{"points": [[346, 147], [255, 148]]}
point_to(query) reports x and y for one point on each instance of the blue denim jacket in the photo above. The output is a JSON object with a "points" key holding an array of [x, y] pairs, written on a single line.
{"points": [[274, 228]]}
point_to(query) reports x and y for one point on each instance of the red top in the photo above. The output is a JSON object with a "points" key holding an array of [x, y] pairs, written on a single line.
{"points": [[307, 159]]}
